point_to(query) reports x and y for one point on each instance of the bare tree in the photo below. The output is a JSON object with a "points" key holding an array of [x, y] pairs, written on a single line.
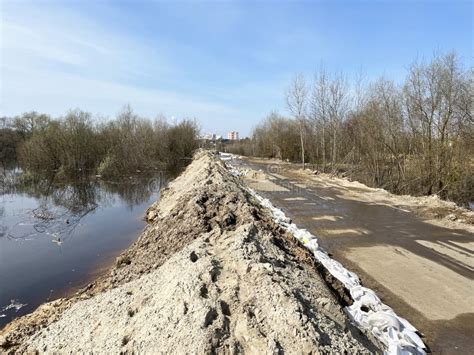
{"points": [[296, 100], [339, 104], [319, 107], [435, 98], [416, 138]]}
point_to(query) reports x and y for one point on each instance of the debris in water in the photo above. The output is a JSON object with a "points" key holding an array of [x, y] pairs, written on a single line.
{"points": [[57, 241], [14, 304], [43, 213]]}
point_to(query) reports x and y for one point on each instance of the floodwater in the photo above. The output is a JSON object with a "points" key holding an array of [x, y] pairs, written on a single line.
{"points": [[55, 237]]}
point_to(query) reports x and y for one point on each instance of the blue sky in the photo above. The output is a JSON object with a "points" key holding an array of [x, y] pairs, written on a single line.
{"points": [[225, 63]]}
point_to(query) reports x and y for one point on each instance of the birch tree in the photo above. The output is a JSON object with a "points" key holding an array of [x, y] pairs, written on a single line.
{"points": [[296, 100]]}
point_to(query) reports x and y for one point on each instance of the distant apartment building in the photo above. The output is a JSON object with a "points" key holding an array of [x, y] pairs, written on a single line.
{"points": [[233, 136], [209, 136]]}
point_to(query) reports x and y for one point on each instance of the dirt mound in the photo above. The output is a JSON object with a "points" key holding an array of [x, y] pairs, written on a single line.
{"points": [[211, 272]]}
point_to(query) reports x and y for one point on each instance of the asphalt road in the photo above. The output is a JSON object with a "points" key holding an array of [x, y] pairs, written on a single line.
{"points": [[424, 272]]}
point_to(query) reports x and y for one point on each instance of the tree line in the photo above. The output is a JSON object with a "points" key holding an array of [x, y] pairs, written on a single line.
{"points": [[79, 145], [414, 137]]}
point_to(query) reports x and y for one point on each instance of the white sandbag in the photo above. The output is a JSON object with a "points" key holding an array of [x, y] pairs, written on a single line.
{"points": [[367, 311]]}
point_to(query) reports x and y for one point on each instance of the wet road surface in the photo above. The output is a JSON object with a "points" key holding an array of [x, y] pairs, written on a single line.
{"points": [[424, 272]]}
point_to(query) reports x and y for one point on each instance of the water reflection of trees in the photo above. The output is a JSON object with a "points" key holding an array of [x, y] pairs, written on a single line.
{"points": [[135, 191], [62, 206]]}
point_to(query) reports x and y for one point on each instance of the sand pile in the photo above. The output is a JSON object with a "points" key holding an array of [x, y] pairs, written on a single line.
{"points": [[212, 272]]}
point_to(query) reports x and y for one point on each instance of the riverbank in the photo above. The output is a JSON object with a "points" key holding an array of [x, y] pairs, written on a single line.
{"points": [[211, 272]]}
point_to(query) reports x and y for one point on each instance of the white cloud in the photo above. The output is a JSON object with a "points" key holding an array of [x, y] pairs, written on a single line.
{"points": [[55, 93], [50, 66], [22, 41]]}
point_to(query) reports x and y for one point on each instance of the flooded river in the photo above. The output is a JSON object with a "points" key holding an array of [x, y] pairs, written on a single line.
{"points": [[55, 237]]}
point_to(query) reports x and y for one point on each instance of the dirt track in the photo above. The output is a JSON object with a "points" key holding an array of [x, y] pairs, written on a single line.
{"points": [[211, 273], [422, 267]]}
